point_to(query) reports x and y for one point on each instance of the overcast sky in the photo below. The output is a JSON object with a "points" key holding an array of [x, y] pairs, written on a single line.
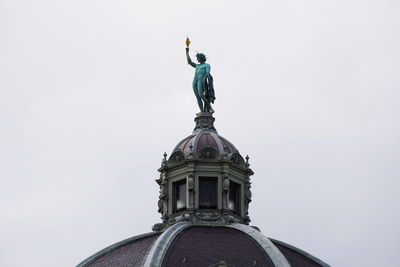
{"points": [[93, 92]]}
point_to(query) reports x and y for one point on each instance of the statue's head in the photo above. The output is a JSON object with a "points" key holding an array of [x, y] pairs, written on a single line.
{"points": [[201, 57]]}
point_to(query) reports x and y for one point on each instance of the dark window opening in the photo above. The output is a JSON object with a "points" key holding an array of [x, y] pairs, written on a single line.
{"points": [[208, 193], [234, 197], [180, 195]]}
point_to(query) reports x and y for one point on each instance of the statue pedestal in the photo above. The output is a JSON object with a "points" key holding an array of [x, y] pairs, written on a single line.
{"points": [[204, 121]]}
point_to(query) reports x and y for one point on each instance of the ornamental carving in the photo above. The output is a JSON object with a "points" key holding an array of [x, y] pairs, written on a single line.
{"points": [[208, 153], [190, 181], [247, 200], [176, 157], [163, 197], [204, 122], [208, 216], [238, 160], [226, 182]]}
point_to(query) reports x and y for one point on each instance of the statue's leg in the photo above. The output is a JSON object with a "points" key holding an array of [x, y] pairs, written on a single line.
{"points": [[195, 90], [200, 88]]}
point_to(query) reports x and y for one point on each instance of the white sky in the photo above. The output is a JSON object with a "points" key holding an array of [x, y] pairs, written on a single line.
{"points": [[93, 92]]}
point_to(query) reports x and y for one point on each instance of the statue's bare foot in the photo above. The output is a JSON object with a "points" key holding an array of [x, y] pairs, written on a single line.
{"points": [[211, 110]]}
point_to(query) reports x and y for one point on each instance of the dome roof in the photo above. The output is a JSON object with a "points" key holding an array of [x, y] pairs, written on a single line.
{"points": [[205, 143], [207, 246], [128, 252], [198, 245], [205, 139]]}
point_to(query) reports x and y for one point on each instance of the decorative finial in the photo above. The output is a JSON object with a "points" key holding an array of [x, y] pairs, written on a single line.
{"points": [[191, 151], [164, 161], [247, 161]]}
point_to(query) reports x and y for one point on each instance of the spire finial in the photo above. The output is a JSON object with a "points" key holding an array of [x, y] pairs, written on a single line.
{"points": [[164, 160]]}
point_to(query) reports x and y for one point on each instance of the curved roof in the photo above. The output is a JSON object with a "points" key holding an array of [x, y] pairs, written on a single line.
{"points": [[205, 139], [129, 252], [202, 244], [205, 246], [296, 256]]}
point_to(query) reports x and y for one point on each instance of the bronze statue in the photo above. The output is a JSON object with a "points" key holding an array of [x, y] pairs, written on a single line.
{"points": [[203, 86]]}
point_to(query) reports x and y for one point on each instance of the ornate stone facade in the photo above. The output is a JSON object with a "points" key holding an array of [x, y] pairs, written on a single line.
{"points": [[204, 155]]}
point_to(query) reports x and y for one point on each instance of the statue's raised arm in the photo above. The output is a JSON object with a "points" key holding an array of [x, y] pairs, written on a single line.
{"points": [[203, 85], [189, 60]]}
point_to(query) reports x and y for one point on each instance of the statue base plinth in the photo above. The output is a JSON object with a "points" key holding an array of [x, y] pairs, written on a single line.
{"points": [[204, 121]]}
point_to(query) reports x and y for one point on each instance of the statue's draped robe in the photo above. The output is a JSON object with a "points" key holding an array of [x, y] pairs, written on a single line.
{"points": [[209, 88]]}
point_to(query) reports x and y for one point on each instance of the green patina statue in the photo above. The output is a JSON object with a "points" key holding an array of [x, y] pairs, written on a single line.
{"points": [[202, 82]]}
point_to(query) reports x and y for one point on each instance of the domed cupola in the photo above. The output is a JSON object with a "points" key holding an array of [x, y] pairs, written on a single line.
{"points": [[204, 139], [204, 179]]}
